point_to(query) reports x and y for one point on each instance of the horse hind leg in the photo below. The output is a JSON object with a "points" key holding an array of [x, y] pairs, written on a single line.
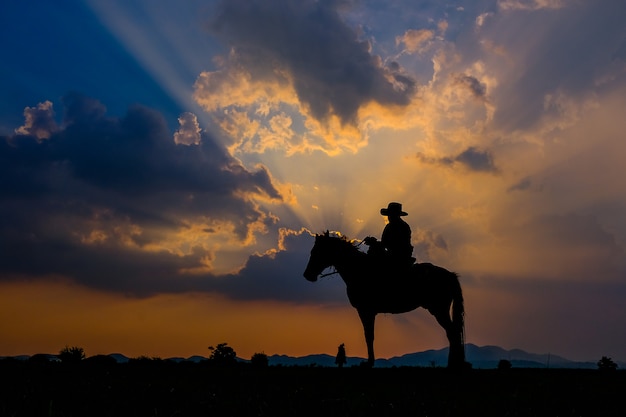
{"points": [[456, 353]]}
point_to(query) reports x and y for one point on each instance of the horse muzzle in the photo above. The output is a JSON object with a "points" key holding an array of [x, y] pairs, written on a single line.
{"points": [[310, 275]]}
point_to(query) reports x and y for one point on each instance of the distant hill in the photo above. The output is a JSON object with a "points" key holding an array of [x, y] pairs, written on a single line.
{"points": [[481, 357], [119, 357]]}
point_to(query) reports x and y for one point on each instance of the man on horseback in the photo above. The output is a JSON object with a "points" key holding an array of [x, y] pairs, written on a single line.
{"points": [[395, 244]]}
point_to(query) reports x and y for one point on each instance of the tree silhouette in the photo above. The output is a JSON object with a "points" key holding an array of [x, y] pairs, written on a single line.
{"points": [[606, 364], [72, 354], [223, 355], [504, 364], [259, 360], [340, 359]]}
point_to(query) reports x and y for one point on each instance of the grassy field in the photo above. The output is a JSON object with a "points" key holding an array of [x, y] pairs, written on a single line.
{"points": [[160, 388]]}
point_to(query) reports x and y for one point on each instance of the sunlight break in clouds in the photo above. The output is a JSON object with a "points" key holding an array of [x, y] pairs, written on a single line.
{"points": [[189, 131]]}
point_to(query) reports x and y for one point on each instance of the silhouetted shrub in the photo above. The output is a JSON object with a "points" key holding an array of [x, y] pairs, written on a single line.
{"points": [[259, 360], [504, 364], [144, 358], [72, 354], [222, 355], [606, 364]]}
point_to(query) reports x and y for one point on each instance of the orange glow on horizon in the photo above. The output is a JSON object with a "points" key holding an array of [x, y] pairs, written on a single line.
{"points": [[49, 316]]}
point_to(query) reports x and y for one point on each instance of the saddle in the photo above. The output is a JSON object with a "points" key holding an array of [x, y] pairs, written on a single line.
{"points": [[384, 261]]}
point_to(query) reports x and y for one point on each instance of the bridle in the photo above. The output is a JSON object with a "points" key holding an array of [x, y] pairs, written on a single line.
{"points": [[335, 271]]}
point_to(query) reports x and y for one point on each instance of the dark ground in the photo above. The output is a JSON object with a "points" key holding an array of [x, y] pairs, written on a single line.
{"points": [[161, 388]]}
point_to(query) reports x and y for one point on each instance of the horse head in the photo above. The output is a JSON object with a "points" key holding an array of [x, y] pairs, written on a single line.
{"points": [[321, 256]]}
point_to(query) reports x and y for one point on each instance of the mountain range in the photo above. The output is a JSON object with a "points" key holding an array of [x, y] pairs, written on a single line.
{"points": [[481, 357]]}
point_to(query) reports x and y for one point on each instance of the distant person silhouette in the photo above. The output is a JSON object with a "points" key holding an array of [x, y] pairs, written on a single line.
{"points": [[340, 359], [395, 243]]}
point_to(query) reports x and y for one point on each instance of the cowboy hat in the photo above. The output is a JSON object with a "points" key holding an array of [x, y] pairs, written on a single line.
{"points": [[393, 209]]}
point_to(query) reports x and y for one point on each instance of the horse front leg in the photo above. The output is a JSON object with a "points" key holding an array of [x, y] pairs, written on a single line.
{"points": [[368, 319]]}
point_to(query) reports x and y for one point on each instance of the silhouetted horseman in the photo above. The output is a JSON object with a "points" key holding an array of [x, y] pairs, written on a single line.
{"points": [[421, 285], [395, 247]]}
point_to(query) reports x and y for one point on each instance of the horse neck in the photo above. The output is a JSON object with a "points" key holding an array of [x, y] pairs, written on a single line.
{"points": [[348, 263]]}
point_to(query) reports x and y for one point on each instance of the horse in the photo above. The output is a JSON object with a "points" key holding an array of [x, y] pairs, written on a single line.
{"points": [[374, 287]]}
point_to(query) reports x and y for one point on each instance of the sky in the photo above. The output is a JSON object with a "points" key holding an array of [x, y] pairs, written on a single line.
{"points": [[165, 167]]}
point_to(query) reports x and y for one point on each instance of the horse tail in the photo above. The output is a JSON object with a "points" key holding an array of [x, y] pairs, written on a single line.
{"points": [[458, 308]]}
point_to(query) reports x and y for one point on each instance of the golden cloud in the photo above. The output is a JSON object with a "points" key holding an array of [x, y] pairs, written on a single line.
{"points": [[415, 40]]}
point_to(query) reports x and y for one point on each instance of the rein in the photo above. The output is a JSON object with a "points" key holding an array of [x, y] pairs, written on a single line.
{"points": [[328, 274]]}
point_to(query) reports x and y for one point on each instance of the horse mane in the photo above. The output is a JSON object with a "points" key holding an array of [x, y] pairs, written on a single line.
{"points": [[352, 243]]}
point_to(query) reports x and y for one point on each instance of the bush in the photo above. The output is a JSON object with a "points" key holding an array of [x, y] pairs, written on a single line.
{"points": [[72, 354], [222, 355], [606, 364], [259, 360]]}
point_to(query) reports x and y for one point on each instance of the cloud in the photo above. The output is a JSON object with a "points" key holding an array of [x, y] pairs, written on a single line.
{"points": [[426, 243], [563, 247], [277, 275], [299, 61], [531, 4], [39, 121], [473, 85], [189, 131], [522, 185], [571, 54], [415, 40], [482, 18], [114, 203], [332, 71], [471, 158], [477, 160]]}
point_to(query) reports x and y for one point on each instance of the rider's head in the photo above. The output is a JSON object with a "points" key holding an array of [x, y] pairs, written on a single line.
{"points": [[393, 210]]}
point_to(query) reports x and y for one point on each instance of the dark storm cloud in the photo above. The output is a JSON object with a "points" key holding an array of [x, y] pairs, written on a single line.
{"points": [[333, 71], [136, 156], [279, 277], [119, 174], [472, 158]]}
